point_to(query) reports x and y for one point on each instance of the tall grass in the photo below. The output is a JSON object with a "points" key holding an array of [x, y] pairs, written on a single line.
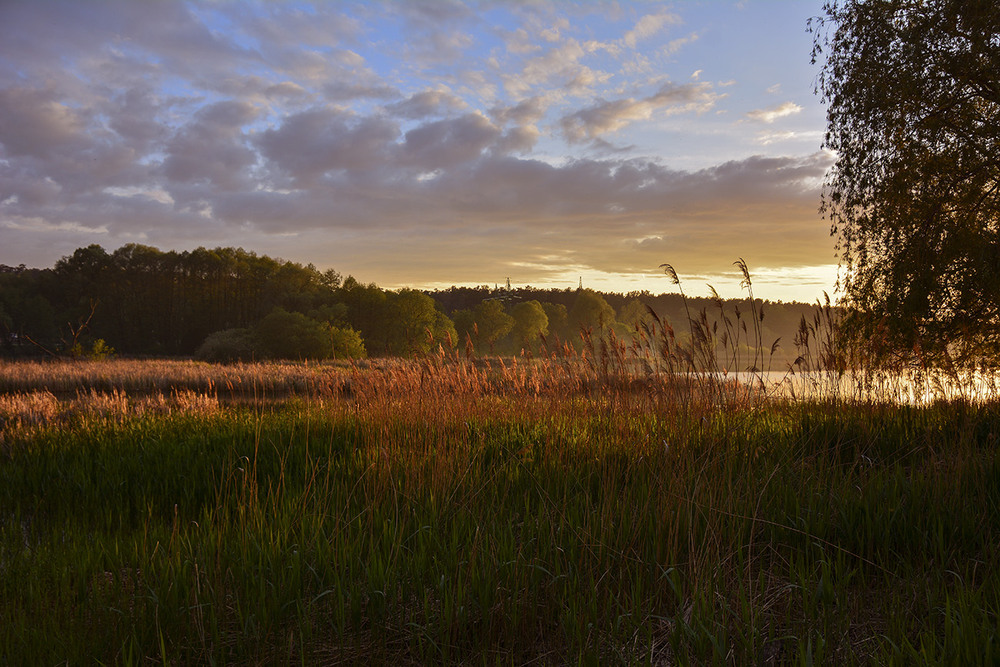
{"points": [[631, 503], [163, 375], [451, 513]]}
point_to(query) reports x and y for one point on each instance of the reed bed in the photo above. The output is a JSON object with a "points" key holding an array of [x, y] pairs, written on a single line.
{"points": [[70, 376], [23, 411], [569, 508]]}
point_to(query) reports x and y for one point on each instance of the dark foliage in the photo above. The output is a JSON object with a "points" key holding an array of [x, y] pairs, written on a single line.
{"points": [[913, 94], [229, 304]]}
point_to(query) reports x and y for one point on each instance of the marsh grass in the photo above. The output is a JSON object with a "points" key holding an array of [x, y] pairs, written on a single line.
{"points": [[241, 380], [629, 502]]}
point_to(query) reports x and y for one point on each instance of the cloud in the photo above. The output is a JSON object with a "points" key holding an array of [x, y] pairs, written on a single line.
{"points": [[520, 42], [311, 143], [526, 112], [211, 149], [44, 139], [278, 27], [553, 33], [595, 214], [559, 67], [675, 45], [436, 31], [135, 115], [434, 12], [648, 26], [447, 143], [427, 103], [344, 91], [772, 114], [611, 116], [43, 34], [34, 123], [518, 140], [285, 89], [765, 138]]}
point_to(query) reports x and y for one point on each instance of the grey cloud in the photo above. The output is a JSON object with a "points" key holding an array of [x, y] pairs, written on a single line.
{"points": [[446, 143], [81, 47], [699, 95], [226, 115], [23, 190], [606, 148], [279, 25], [610, 116], [341, 75], [182, 44], [272, 211], [33, 122], [436, 31], [518, 140], [427, 103], [311, 143], [615, 215], [525, 112], [438, 46], [44, 139], [285, 89], [211, 147], [520, 42], [601, 209], [177, 39], [433, 12], [259, 89], [88, 49], [343, 91], [133, 115]]}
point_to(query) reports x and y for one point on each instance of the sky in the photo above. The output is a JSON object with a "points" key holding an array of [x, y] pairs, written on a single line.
{"points": [[424, 143]]}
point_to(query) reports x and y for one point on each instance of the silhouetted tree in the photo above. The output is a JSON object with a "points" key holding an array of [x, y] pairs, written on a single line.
{"points": [[913, 94]]}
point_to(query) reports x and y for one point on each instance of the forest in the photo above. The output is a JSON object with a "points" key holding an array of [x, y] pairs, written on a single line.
{"points": [[228, 304]]}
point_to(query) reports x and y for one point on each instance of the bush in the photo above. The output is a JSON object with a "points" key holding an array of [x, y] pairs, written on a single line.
{"points": [[347, 343], [230, 345], [99, 351], [285, 335]]}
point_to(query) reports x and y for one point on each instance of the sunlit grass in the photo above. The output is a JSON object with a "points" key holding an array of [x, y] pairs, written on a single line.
{"points": [[163, 375]]}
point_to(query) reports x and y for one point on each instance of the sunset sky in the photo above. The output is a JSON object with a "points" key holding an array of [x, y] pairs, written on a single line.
{"points": [[424, 144]]}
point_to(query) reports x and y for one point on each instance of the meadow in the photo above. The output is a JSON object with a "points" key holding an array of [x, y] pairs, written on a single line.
{"points": [[564, 510]]}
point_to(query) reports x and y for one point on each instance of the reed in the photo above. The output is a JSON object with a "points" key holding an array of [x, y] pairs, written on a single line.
{"points": [[69, 376]]}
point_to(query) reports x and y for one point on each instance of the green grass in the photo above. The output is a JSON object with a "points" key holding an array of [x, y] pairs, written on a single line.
{"points": [[596, 529]]}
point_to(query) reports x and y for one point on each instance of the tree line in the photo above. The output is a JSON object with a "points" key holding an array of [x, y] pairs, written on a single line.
{"points": [[228, 303]]}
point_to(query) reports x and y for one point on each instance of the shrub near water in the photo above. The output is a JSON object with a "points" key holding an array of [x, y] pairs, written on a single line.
{"points": [[449, 514]]}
